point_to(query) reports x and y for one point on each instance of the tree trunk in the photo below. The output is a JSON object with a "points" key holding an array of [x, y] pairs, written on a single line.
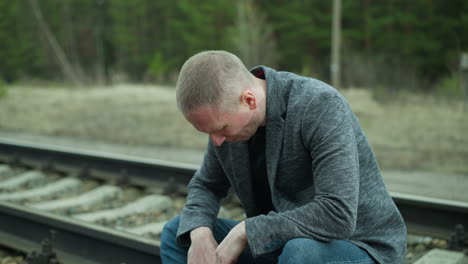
{"points": [[99, 42], [70, 41], [336, 45], [65, 65]]}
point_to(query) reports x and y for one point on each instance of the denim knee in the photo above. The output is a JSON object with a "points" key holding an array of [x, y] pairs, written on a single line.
{"points": [[170, 252], [294, 251], [304, 250], [169, 232], [172, 225]]}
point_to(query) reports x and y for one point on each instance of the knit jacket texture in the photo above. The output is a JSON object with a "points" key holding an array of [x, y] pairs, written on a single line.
{"points": [[323, 176]]}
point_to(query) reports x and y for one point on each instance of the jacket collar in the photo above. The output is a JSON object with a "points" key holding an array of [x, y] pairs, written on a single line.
{"points": [[276, 106]]}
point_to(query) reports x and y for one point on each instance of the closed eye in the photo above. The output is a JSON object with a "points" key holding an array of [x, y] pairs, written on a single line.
{"points": [[219, 130]]}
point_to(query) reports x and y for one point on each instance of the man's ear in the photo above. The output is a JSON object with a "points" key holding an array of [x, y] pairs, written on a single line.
{"points": [[248, 98]]}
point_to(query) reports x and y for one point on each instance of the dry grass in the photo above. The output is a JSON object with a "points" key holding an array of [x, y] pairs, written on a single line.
{"points": [[129, 114], [415, 133]]}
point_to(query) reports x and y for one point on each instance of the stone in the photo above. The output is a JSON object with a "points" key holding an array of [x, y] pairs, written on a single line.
{"points": [[441, 256]]}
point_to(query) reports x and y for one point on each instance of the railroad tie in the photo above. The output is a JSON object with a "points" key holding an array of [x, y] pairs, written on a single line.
{"points": [[235, 213], [86, 198], [441, 256], [152, 202], [48, 189], [153, 228], [5, 171], [21, 179]]}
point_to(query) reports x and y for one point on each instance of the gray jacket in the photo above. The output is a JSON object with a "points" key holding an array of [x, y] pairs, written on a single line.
{"points": [[324, 179]]}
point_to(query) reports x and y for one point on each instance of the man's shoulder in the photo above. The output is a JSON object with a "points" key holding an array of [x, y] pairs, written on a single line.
{"points": [[298, 93], [305, 85], [307, 90]]}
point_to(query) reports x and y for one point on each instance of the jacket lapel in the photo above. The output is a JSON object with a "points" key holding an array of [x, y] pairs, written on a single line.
{"points": [[277, 97]]}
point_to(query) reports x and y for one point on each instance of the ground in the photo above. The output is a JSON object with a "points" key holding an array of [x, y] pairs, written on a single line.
{"points": [[410, 132]]}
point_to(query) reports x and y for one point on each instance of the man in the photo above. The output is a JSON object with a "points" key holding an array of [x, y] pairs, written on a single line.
{"points": [[299, 162]]}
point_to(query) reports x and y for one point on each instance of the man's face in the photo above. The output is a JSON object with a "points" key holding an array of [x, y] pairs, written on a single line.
{"points": [[223, 126]]}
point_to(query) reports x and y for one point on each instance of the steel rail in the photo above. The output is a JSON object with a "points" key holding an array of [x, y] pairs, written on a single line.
{"points": [[109, 166], [24, 228], [74, 242], [431, 216]]}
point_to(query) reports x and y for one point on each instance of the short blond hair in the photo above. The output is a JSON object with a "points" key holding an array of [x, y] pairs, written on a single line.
{"points": [[213, 78]]}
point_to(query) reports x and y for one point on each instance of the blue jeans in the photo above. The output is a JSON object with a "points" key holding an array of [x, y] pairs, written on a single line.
{"points": [[298, 250]]}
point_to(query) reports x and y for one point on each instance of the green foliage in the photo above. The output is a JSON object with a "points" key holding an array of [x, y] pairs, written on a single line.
{"points": [[203, 25], [144, 36], [158, 66], [173, 29], [303, 31], [19, 52], [251, 37], [3, 89], [450, 87]]}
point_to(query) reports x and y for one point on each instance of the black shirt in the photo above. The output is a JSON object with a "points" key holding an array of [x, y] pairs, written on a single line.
{"points": [[257, 154]]}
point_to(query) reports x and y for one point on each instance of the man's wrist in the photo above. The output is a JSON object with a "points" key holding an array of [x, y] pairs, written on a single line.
{"points": [[201, 232], [243, 231]]}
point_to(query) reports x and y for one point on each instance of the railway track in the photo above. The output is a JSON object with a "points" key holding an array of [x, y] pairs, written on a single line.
{"points": [[9, 256], [103, 208]]}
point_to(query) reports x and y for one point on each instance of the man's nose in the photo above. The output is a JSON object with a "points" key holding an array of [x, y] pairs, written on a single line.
{"points": [[217, 140]]}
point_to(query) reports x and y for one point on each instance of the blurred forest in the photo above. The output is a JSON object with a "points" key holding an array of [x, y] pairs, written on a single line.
{"points": [[391, 44]]}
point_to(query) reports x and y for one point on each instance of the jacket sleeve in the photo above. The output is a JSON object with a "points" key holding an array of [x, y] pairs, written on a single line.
{"points": [[205, 190], [327, 133]]}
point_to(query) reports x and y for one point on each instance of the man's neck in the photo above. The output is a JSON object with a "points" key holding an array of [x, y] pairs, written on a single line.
{"points": [[262, 89]]}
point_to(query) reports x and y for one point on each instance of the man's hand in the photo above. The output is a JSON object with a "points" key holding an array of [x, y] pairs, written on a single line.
{"points": [[203, 247], [232, 246]]}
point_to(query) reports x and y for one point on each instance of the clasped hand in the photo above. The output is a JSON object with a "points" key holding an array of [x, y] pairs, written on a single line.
{"points": [[205, 249]]}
